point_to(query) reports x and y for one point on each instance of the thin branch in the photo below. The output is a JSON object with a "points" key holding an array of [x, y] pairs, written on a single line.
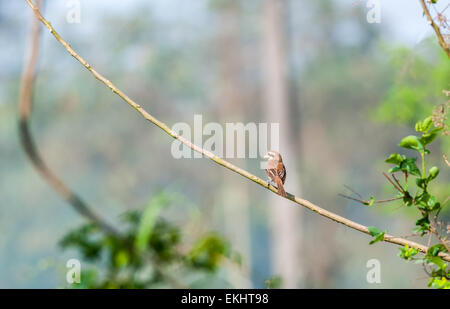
{"points": [[411, 235], [444, 241], [434, 229], [399, 189], [446, 160], [368, 202], [398, 182], [440, 38], [216, 159], [425, 269], [445, 202], [429, 239], [354, 192], [28, 143]]}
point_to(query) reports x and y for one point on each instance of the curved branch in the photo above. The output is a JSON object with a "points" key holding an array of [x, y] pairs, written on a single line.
{"points": [[440, 38], [216, 159], [28, 143]]}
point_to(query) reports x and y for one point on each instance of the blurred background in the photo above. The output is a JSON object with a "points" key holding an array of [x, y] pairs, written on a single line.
{"points": [[338, 85]]}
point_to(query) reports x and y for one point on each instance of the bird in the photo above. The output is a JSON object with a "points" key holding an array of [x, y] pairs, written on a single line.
{"points": [[276, 170]]}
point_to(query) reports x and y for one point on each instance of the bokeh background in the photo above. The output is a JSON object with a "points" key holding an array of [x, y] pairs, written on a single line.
{"points": [[341, 104]]}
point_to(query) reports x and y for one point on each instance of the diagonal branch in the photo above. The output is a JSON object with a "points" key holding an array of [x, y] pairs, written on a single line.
{"points": [[440, 38], [25, 105], [213, 157]]}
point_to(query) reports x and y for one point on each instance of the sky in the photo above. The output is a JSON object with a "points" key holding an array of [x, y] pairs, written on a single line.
{"points": [[403, 18]]}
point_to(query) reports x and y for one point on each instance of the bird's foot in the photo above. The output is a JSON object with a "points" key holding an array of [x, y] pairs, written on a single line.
{"points": [[272, 183]]}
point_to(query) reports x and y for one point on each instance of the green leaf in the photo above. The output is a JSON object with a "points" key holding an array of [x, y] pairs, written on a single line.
{"points": [[439, 283], [438, 261], [407, 253], [422, 182], [431, 201], [274, 282], [208, 252], [395, 158], [407, 199], [423, 225], [409, 165], [379, 237], [435, 249], [376, 233], [418, 126], [427, 138], [430, 136], [121, 258], [148, 221], [423, 198], [425, 125], [411, 142], [394, 169], [434, 171], [373, 230]]}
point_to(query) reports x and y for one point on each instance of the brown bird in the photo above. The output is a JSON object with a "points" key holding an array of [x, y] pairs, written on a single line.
{"points": [[276, 171]]}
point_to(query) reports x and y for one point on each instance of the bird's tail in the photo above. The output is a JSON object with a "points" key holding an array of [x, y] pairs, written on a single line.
{"points": [[280, 187]]}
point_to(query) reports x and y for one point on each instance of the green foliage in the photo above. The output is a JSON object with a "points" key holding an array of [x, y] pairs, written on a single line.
{"points": [[417, 83], [426, 203], [148, 221], [408, 253], [439, 283], [208, 252], [145, 252], [440, 272], [376, 233], [274, 282], [435, 249], [411, 142], [425, 125], [406, 165]]}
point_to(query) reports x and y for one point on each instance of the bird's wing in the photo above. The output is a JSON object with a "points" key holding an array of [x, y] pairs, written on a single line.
{"points": [[281, 171]]}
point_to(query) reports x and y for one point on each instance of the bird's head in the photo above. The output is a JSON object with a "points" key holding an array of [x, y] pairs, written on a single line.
{"points": [[273, 155]]}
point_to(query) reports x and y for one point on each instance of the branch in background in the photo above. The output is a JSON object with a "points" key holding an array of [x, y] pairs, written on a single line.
{"points": [[368, 203], [216, 159], [25, 105], [440, 38]]}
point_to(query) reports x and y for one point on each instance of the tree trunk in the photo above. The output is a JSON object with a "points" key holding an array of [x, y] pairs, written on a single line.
{"points": [[234, 194], [285, 220]]}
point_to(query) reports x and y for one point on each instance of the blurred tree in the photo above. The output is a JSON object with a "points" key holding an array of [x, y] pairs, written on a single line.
{"points": [[416, 85], [286, 221], [149, 253], [230, 99], [419, 81]]}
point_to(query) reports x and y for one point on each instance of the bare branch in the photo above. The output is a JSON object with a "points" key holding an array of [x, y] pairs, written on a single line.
{"points": [[28, 143], [446, 160], [362, 201], [440, 38], [399, 189], [216, 159], [353, 191]]}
